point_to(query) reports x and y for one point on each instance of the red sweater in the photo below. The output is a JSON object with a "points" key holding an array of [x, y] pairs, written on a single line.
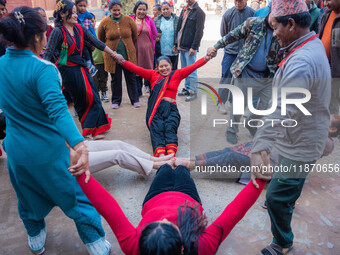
{"points": [[153, 76], [163, 206]]}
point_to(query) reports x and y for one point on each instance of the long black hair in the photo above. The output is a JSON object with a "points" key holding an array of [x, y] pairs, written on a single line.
{"points": [[165, 239], [20, 26], [63, 6]]}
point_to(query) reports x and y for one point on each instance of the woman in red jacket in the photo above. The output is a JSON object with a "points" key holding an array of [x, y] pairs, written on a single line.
{"points": [[162, 116], [172, 222]]}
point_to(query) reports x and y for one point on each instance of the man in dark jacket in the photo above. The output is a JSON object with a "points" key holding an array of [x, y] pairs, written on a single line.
{"points": [[190, 32], [329, 35]]}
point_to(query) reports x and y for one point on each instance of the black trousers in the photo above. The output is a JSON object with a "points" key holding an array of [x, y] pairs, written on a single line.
{"points": [[100, 79], [116, 85], [164, 125], [167, 179]]}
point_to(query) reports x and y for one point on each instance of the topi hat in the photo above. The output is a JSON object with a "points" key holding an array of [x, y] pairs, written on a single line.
{"points": [[288, 7]]}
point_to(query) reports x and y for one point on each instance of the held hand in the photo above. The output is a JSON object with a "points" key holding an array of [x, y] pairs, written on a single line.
{"points": [[79, 160], [158, 37], [174, 49], [119, 59], [212, 52], [192, 52], [259, 168], [113, 55]]}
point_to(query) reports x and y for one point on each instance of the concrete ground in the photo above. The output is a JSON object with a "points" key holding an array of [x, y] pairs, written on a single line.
{"points": [[315, 221]]}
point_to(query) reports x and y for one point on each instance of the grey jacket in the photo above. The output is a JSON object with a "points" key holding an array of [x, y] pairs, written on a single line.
{"points": [[306, 68], [230, 20]]}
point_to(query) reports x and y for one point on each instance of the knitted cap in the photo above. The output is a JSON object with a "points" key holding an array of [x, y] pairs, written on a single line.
{"points": [[288, 7]]}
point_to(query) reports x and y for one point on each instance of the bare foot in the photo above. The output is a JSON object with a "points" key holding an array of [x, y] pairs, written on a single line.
{"points": [[183, 161], [98, 137], [158, 164], [163, 158]]}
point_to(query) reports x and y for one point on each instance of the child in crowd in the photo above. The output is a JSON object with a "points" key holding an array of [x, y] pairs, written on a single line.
{"points": [[100, 79], [85, 19], [156, 10]]}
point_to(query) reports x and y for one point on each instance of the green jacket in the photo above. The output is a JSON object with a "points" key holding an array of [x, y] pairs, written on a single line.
{"points": [[253, 30], [314, 12]]}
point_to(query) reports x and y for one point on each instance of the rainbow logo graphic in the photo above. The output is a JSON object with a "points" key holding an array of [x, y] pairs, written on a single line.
{"points": [[209, 93]]}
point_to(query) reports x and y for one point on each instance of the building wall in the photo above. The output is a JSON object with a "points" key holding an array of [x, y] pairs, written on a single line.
{"points": [[48, 5], [15, 3]]}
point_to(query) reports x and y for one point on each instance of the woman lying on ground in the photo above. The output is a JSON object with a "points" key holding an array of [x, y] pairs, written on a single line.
{"points": [[162, 116], [172, 222]]}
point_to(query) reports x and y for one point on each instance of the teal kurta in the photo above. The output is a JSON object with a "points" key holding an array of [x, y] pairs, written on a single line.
{"points": [[38, 123]]}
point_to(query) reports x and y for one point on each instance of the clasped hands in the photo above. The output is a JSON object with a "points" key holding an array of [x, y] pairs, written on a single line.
{"points": [[260, 167], [211, 53]]}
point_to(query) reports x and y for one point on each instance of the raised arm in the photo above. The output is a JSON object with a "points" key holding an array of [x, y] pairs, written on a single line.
{"points": [[144, 73], [93, 40], [214, 235], [186, 71], [236, 34], [108, 207]]}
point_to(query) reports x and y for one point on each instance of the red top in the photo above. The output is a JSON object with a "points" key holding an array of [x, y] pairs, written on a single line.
{"points": [[165, 205], [153, 76]]}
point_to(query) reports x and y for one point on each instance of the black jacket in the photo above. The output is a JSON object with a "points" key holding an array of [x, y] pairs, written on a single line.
{"points": [[193, 28]]}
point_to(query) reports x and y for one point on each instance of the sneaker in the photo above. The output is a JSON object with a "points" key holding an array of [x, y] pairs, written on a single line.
{"points": [[192, 96], [231, 138], [93, 70], [115, 106], [136, 104], [252, 130], [104, 97], [184, 92], [147, 89], [221, 109]]}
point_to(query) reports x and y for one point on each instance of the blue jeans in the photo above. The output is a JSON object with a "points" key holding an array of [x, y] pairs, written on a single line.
{"points": [[226, 75], [186, 60]]}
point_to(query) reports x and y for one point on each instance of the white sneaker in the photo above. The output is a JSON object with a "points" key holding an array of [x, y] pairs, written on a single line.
{"points": [[222, 109]]}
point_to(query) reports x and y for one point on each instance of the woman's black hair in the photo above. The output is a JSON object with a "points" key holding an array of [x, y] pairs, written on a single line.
{"points": [[113, 3], [138, 4], [65, 7], [163, 238], [166, 3], [39, 9], [160, 238], [21, 25], [166, 58], [159, 7], [3, 2], [79, 1], [301, 19]]}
